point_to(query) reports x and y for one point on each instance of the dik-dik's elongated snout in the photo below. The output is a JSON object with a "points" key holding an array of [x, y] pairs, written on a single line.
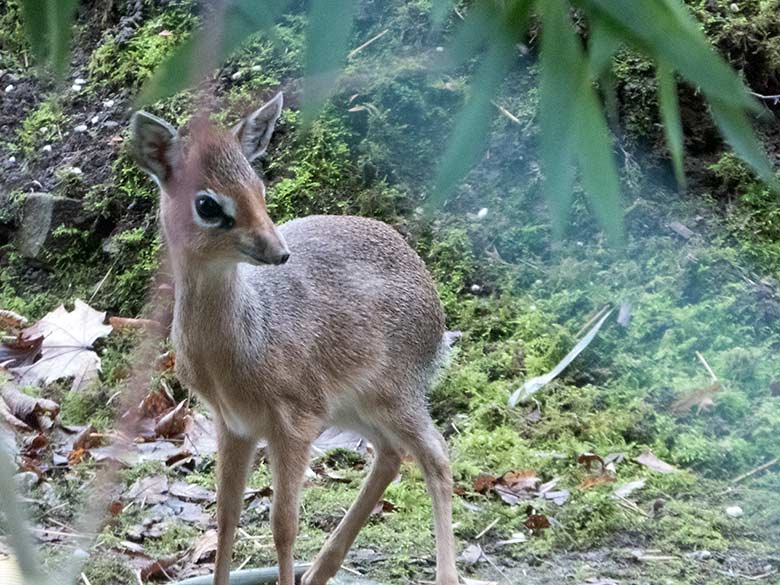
{"points": [[265, 247]]}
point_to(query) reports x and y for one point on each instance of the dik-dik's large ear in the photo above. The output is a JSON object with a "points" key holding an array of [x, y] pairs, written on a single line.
{"points": [[254, 131], [154, 145]]}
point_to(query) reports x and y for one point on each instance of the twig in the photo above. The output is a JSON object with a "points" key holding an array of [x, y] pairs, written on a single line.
{"points": [[84, 578], [351, 570], [487, 528], [356, 50], [497, 569], [626, 503], [243, 564], [100, 284], [758, 469], [507, 113], [770, 98], [707, 367]]}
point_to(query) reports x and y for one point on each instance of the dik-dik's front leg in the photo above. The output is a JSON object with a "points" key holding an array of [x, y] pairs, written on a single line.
{"points": [[234, 457], [289, 458]]}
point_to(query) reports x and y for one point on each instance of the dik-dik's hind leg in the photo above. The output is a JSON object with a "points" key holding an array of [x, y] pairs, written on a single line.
{"points": [[289, 459], [328, 561], [427, 445], [233, 460]]}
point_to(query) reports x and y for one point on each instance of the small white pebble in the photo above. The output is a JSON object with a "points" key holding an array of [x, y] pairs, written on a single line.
{"points": [[237, 75], [580, 244], [9, 88], [482, 213], [74, 170], [475, 288], [11, 159], [439, 49], [734, 7], [532, 308], [81, 128], [419, 211], [734, 511], [75, 87], [79, 81], [95, 119], [256, 68], [108, 104], [47, 148], [538, 282], [43, 129]]}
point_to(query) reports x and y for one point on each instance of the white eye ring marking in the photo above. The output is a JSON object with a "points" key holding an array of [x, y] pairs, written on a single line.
{"points": [[226, 203]]}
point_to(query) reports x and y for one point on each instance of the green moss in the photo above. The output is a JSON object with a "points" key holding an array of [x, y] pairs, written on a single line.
{"points": [[43, 126], [130, 64], [13, 43]]}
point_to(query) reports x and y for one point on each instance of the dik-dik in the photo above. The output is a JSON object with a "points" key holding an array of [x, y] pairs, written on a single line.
{"points": [[284, 330]]}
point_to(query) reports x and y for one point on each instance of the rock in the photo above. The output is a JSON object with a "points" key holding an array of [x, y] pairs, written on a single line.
{"points": [[75, 87], [110, 124], [108, 104], [734, 511], [26, 481], [9, 88], [40, 214], [95, 119], [46, 148], [80, 128], [80, 81]]}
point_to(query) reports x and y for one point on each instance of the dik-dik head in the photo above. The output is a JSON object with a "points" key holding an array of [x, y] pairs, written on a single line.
{"points": [[213, 203]]}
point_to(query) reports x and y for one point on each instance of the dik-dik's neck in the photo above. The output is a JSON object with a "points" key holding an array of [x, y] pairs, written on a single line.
{"points": [[214, 300]]}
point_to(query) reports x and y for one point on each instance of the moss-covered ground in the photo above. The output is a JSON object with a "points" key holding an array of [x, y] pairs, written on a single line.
{"points": [[520, 298]]}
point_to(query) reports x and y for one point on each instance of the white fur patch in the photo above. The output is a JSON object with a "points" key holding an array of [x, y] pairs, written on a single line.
{"points": [[226, 203]]}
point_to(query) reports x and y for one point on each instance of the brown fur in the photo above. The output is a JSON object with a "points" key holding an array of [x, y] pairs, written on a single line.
{"points": [[348, 332]]}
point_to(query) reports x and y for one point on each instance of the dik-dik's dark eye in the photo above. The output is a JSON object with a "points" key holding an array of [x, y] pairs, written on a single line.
{"points": [[208, 208]]}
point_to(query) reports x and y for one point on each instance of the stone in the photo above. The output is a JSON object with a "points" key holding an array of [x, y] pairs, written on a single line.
{"points": [[80, 128], [40, 214]]}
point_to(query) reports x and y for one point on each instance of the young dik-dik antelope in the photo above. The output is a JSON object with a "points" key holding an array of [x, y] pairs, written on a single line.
{"points": [[324, 320]]}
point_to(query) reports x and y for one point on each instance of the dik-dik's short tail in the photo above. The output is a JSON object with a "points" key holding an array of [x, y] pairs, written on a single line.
{"points": [[443, 355]]}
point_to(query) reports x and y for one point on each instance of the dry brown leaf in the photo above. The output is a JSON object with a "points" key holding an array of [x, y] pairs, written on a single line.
{"points": [[165, 362], [702, 399], [525, 480], [588, 459], [173, 423], [20, 351], [205, 548], [484, 482], [11, 321], [594, 480], [536, 522], [649, 460], [67, 346], [149, 490], [34, 412], [121, 323]]}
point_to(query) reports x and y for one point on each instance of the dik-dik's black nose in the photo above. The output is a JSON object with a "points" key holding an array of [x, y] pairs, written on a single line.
{"points": [[283, 258]]}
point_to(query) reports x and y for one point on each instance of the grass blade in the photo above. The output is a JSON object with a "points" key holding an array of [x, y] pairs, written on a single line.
{"points": [[327, 38], [562, 72], [601, 49], [467, 141], [736, 129], [670, 116], [597, 164], [47, 24], [664, 29], [439, 11]]}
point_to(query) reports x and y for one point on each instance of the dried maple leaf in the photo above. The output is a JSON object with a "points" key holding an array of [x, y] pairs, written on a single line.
{"points": [[67, 346], [702, 399], [594, 480]]}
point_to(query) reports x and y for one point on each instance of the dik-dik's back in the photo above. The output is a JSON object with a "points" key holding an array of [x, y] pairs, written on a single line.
{"points": [[283, 331]]}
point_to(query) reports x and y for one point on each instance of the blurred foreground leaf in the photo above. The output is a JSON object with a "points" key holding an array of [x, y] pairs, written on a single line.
{"points": [[327, 38], [48, 25], [670, 116]]}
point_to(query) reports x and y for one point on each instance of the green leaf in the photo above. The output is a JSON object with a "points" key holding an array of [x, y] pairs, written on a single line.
{"points": [[439, 11], [597, 164], [185, 66], [467, 142], [601, 49], [670, 116], [473, 34], [48, 25], [327, 38], [736, 129], [665, 30], [562, 72]]}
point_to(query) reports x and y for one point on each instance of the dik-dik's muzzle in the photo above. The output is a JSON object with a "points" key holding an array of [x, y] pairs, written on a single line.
{"points": [[266, 247]]}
